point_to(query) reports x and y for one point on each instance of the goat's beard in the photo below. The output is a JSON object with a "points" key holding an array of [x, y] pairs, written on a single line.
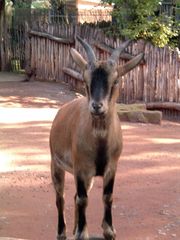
{"points": [[99, 126]]}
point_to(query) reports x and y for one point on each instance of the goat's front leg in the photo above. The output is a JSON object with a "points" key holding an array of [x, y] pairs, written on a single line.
{"points": [[58, 176], [81, 201], [108, 182]]}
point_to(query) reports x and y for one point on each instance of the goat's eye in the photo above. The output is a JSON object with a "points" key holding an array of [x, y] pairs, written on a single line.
{"points": [[116, 82]]}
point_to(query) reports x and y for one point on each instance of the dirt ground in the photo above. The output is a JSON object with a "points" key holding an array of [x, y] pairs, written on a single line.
{"points": [[147, 188]]}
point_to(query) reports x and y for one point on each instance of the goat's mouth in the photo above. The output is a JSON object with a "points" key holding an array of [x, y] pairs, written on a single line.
{"points": [[98, 109], [99, 115]]}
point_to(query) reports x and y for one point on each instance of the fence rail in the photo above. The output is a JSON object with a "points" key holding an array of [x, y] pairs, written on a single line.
{"points": [[44, 53], [158, 79]]}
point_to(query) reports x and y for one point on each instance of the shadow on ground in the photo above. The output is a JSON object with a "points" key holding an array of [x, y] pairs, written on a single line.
{"points": [[147, 188]]}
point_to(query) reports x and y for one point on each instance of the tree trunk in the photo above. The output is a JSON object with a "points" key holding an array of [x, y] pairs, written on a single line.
{"points": [[59, 10], [2, 19], [163, 105]]}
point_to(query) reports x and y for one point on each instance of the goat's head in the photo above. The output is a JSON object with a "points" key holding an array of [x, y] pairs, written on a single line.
{"points": [[102, 77]]}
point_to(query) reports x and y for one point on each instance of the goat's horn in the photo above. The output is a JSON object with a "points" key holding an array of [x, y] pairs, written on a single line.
{"points": [[116, 53], [89, 51]]}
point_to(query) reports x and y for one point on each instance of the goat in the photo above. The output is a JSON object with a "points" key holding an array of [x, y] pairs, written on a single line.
{"points": [[86, 138]]}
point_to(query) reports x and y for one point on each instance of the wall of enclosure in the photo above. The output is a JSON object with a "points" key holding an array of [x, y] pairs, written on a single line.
{"points": [[40, 46], [13, 30], [155, 79]]}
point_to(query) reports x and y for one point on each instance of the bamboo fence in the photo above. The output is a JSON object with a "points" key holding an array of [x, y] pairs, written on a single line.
{"points": [[157, 79], [49, 54]]}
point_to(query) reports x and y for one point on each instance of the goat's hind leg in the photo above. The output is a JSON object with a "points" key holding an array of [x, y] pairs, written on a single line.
{"points": [[58, 177]]}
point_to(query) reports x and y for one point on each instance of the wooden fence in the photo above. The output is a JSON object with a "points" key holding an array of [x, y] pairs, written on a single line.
{"points": [[157, 79]]}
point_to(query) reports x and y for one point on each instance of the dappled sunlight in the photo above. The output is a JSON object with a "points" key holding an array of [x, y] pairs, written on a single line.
{"points": [[148, 154], [150, 171], [35, 95], [150, 150], [17, 101], [15, 213], [28, 125], [147, 179], [27, 159], [165, 140], [26, 114], [127, 126], [24, 139], [153, 170], [34, 167], [20, 115], [6, 161]]}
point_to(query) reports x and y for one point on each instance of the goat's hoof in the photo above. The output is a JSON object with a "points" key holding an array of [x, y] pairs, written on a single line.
{"points": [[82, 235], [61, 237], [109, 232]]}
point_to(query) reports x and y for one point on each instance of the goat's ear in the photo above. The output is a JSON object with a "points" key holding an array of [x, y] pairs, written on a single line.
{"points": [[79, 60], [130, 64]]}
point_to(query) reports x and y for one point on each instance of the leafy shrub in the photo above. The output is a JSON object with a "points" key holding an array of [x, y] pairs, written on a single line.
{"points": [[136, 19]]}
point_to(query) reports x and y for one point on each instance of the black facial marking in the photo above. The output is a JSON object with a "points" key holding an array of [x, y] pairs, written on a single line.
{"points": [[111, 93], [99, 84], [101, 157], [114, 85], [87, 91]]}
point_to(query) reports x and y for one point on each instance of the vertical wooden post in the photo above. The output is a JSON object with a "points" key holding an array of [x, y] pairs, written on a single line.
{"points": [[2, 19], [28, 69]]}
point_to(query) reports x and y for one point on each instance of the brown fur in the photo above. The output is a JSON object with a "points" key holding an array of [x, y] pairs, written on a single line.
{"points": [[77, 138], [74, 134]]}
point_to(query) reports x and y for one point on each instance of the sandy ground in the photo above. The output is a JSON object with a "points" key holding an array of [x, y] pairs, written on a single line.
{"points": [[11, 77], [147, 188]]}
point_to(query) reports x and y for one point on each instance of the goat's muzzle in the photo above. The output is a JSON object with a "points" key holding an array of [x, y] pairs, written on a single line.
{"points": [[97, 109]]}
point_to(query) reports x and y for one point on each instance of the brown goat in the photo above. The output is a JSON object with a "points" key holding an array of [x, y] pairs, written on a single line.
{"points": [[86, 138]]}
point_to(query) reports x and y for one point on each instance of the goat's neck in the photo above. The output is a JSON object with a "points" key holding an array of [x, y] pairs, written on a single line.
{"points": [[101, 125]]}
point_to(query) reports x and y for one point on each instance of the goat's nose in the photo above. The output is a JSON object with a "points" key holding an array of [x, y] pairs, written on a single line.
{"points": [[97, 106]]}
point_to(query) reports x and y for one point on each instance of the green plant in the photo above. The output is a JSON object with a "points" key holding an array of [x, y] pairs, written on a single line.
{"points": [[40, 4], [159, 30], [141, 19], [21, 4]]}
